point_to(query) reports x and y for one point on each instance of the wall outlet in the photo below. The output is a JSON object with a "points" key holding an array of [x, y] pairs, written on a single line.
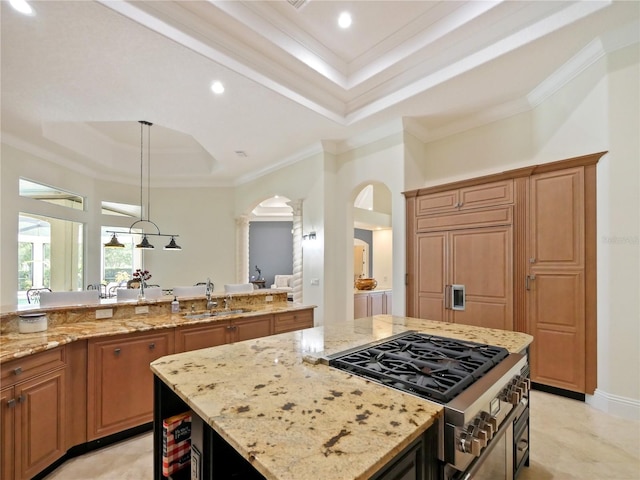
{"points": [[104, 313], [142, 309], [268, 298], [315, 281]]}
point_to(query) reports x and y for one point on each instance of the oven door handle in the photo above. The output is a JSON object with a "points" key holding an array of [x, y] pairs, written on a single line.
{"points": [[504, 426]]}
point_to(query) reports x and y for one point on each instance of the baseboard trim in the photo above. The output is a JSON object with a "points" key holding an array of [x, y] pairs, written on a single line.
{"points": [[623, 407], [558, 391]]}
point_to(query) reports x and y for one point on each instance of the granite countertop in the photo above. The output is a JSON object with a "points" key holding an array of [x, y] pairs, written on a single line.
{"points": [[278, 403], [16, 345]]}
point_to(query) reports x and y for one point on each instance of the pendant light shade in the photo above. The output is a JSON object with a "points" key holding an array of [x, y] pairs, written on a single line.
{"points": [[114, 242], [145, 243], [172, 245]]}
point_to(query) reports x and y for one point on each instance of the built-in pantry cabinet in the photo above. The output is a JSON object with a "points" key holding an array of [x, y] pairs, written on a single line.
{"points": [[522, 243]]}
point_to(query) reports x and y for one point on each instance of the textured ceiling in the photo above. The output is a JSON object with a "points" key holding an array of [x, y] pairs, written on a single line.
{"points": [[77, 76]]}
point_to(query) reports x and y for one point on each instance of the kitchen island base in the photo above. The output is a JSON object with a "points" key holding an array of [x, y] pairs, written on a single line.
{"points": [[217, 460]]}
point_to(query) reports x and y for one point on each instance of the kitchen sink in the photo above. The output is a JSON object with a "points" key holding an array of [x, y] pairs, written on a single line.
{"points": [[221, 313]]}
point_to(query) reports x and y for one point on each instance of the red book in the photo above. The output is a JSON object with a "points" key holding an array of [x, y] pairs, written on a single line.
{"points": [[176, 443]]}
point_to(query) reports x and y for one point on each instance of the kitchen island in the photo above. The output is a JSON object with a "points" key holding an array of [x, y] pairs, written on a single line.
{"points": [[279, 406]]}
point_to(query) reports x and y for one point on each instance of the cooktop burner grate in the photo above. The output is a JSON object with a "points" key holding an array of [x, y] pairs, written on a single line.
{"points": [[432, 367]]}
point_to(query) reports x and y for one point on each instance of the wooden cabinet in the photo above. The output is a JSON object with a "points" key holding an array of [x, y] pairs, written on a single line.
{"points": [[120, 383], [251, 327], [480, 259], [195, 337], [466, 198], [290, 321], [555, 282], [524, 245], [367, 304], [32, 421]]}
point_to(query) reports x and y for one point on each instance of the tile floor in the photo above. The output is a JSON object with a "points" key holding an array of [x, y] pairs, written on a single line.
{"points": [[569, 440]]}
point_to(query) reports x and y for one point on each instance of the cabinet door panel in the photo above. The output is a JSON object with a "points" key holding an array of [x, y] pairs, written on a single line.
{"points": [[195, 338], [558, 350], [557, 218], [481, 260], [360, 305], [437, 202], [291, 321], [431, 260], [487, 195], [40, 422], [7, 443], [121, 383], [255, 327], [376, 301]]}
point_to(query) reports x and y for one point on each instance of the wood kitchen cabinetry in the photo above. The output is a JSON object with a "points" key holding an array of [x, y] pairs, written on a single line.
{"points": [[32, 421], [367, 304], [120, 383], [290, 321], [523, 243]]}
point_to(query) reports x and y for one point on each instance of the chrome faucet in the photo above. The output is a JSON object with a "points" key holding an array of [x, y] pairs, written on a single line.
{"points": [[210, 303]]}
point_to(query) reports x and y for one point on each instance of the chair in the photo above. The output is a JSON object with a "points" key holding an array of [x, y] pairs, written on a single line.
{"points": [[282, 282], [195, 291], [33, 294], [126, 294], [133, 283], [86, 297], [239, 287]]}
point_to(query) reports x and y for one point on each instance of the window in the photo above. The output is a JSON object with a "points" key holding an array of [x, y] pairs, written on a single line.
{"points": [[50, 254], [49, 194], [118, 264]]}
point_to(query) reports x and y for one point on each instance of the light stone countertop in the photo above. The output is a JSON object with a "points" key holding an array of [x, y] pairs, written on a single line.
{"points": [[292, 416], [16, 345]]}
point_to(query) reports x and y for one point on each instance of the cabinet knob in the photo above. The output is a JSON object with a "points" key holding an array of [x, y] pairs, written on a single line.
{"points": [[22, 398], [17, 371], [152, 346], [11, 403], [116, 351]]}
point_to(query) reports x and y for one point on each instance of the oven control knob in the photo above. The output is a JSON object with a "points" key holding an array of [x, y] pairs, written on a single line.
{"points": [[471, 445], [484, 429], [491, 423]]}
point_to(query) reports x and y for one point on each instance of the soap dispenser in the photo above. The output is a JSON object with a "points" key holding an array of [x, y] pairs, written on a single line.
{"points": [[175, 305]]}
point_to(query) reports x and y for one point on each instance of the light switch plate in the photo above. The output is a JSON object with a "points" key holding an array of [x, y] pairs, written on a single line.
{"points": [[195, 463], [142, 309], [268, 298], [104, 313], [315, 281]]}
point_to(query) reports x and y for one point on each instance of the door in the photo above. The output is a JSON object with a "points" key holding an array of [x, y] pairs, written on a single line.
{"points": [[40, 423], [481, 260], [7, 444], [249, 328], [120, 382], [197, 337], [431, 275], [556, 280]]}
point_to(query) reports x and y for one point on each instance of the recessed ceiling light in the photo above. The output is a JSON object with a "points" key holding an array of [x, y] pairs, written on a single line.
{"points": [[217, 87], [22, 6], [344, 20]]}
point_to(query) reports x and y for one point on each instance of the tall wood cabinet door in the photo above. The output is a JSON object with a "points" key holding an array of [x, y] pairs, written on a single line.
{"points": [[40, 423], [481, 260], [431, 275], [120, 382], [7, 444], [556, 281]]}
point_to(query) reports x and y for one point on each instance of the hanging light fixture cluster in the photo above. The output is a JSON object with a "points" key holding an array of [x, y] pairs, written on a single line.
{"points": [[144, 243]]}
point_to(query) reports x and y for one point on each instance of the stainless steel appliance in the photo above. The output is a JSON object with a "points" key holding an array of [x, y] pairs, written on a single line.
{"points": [[484, 390]]}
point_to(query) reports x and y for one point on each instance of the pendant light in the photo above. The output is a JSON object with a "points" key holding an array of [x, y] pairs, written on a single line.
{"points": [[144, 243]]}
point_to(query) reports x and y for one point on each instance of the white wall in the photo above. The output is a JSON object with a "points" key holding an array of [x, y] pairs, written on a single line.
{"points": [[383, 257], [596, 111]]}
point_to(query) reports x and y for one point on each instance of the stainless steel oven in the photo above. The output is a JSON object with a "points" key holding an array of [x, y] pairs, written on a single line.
{"points": [[484, 390]]}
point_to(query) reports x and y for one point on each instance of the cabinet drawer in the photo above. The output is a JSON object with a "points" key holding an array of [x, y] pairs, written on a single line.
{"points": [[26, 367], [290, 321], [470, 219]]}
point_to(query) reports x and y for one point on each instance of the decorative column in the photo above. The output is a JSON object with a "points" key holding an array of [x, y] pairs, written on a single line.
{"points": [[242, 249], [296, 205]]}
